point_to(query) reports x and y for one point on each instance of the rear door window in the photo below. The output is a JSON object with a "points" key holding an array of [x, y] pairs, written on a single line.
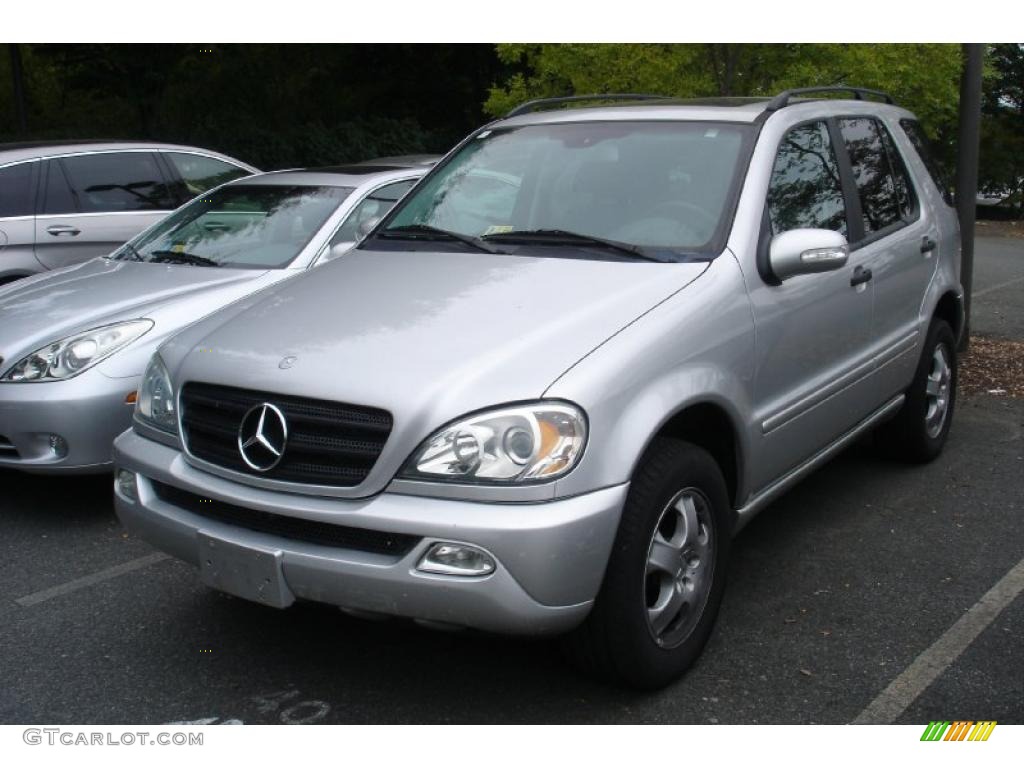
{"points": [[904, 185], [16, 190], [881, 202], [113, 182], [805, 190]]}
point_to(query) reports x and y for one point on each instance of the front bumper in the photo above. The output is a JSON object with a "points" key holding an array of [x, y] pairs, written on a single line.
{"points": [[550, 556], [87, 412]]}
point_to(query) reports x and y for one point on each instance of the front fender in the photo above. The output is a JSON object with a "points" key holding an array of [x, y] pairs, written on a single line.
{"points": [[697, 347]]}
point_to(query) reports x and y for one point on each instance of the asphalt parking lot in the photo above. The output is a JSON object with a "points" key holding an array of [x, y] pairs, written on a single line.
{"points": [[834, 592]]}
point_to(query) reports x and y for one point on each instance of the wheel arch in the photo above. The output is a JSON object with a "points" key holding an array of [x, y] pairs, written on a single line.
{"points": [[709, 425], [950, 307]]}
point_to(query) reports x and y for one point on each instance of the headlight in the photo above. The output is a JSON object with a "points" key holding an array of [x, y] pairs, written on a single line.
{"points": [[74, 354], [521, 444], [155, 405]]}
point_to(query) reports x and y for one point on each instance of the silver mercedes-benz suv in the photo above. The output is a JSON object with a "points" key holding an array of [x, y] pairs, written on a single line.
{"points": [[555, 380]]}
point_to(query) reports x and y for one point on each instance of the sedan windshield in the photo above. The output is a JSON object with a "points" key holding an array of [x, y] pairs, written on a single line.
{"points": [[244, 226], [643, 190]]}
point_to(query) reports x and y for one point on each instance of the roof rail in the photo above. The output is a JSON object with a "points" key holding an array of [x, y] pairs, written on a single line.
{"points": [[536, 104], [783, 98]]}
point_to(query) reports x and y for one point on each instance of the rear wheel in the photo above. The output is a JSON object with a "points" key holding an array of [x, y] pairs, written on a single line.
{"points": [[919, 431], [665, 577]]}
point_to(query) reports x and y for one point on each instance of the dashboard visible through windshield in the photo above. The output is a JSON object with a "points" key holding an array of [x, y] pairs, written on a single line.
{"points": [[650, 189], [247, 226]]}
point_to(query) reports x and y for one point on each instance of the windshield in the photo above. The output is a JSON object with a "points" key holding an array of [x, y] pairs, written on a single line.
{"points": [[244, 226], [666, 188]]}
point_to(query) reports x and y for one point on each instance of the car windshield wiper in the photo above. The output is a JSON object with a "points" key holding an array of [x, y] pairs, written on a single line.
{"points": [[428, 232], [564, 237], [181, 257], [130, 253]]}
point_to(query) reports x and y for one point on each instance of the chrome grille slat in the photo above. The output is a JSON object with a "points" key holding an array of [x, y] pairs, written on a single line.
{"points": [[333, 444]]}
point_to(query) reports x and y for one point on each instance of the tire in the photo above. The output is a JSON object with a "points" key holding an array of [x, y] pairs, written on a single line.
{"points": [[627, 640], [918, 432]]}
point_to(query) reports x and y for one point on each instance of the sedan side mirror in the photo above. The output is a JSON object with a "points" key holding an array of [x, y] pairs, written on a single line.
{"points": [[366, 226], [339, 249], [806, 251]]}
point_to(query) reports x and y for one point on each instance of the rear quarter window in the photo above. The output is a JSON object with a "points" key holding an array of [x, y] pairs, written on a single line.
{"points": [[923, 148]]}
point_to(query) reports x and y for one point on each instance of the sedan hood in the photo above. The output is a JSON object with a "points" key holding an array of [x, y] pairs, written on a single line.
{"points": [[43, 309], [426, 336]]}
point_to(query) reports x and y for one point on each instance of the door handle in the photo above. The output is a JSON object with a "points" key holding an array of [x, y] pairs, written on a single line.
{"points": [[927, 244], [860, 275], [63, 229]]}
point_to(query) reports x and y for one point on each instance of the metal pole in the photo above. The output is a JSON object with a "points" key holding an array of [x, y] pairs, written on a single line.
{"points": [[967, 171], [18, 78]]}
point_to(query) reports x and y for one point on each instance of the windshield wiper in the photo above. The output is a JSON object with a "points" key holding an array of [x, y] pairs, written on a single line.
{"points": [[564, 237], [130, 253], [428, 232], [181, 257]]}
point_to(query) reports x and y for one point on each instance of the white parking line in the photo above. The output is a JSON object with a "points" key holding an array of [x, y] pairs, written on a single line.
{"points": [[926, 668], [1007, 284], [88, 581]]}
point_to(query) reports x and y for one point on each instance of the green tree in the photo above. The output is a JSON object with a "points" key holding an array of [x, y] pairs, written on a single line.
{"points": [[924, 77], [1001, 166]]}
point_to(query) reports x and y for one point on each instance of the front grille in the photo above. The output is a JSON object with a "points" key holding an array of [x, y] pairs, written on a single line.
{"points": [[296, 528], [328, 443]]}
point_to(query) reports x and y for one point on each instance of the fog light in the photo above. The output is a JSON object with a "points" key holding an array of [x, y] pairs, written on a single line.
{"points": [[58, 446], [126, 484], [456, 560]]}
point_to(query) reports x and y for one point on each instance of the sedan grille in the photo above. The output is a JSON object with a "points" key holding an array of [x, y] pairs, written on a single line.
{"points": [[296, 528], [328, 443]]}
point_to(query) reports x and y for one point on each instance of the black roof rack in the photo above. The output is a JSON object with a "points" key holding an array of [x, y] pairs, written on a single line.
{"points": [[783, 98], [537, 104]]}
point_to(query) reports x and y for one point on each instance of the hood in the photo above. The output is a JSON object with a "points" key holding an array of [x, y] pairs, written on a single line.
{"points": [[102, 291], [426, 336]]}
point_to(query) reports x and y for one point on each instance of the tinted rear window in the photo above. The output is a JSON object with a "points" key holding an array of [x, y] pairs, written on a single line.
{"points": [[923, 147], [200, 173], [16, 190], [111, 182]]}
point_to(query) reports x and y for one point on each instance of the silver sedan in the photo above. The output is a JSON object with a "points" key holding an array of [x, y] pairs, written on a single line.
{"points": [[74, 342]]}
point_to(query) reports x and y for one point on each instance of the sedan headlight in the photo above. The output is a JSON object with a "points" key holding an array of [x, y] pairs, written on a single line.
{"points": [[516, 445], [74, 354], [155, 406]]}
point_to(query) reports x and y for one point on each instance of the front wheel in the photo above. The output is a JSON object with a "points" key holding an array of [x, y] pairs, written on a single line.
{"points": [[919, 431], [665, 577]]}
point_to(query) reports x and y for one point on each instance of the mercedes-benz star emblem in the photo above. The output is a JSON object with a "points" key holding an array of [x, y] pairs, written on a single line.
{"points": [[262, 436]]}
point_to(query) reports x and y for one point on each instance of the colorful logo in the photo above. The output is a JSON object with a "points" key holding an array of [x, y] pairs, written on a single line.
{"points": [[958, 730]]}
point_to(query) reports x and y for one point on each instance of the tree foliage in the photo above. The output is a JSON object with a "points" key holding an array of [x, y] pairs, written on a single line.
{"points": [[1001, 170], [288, 105], [272, 105], [924, 77]]}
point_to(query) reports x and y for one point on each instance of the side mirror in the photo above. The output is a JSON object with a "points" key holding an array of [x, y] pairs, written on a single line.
{"points": [[366, 226], [806, 251], [339, 249]]}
